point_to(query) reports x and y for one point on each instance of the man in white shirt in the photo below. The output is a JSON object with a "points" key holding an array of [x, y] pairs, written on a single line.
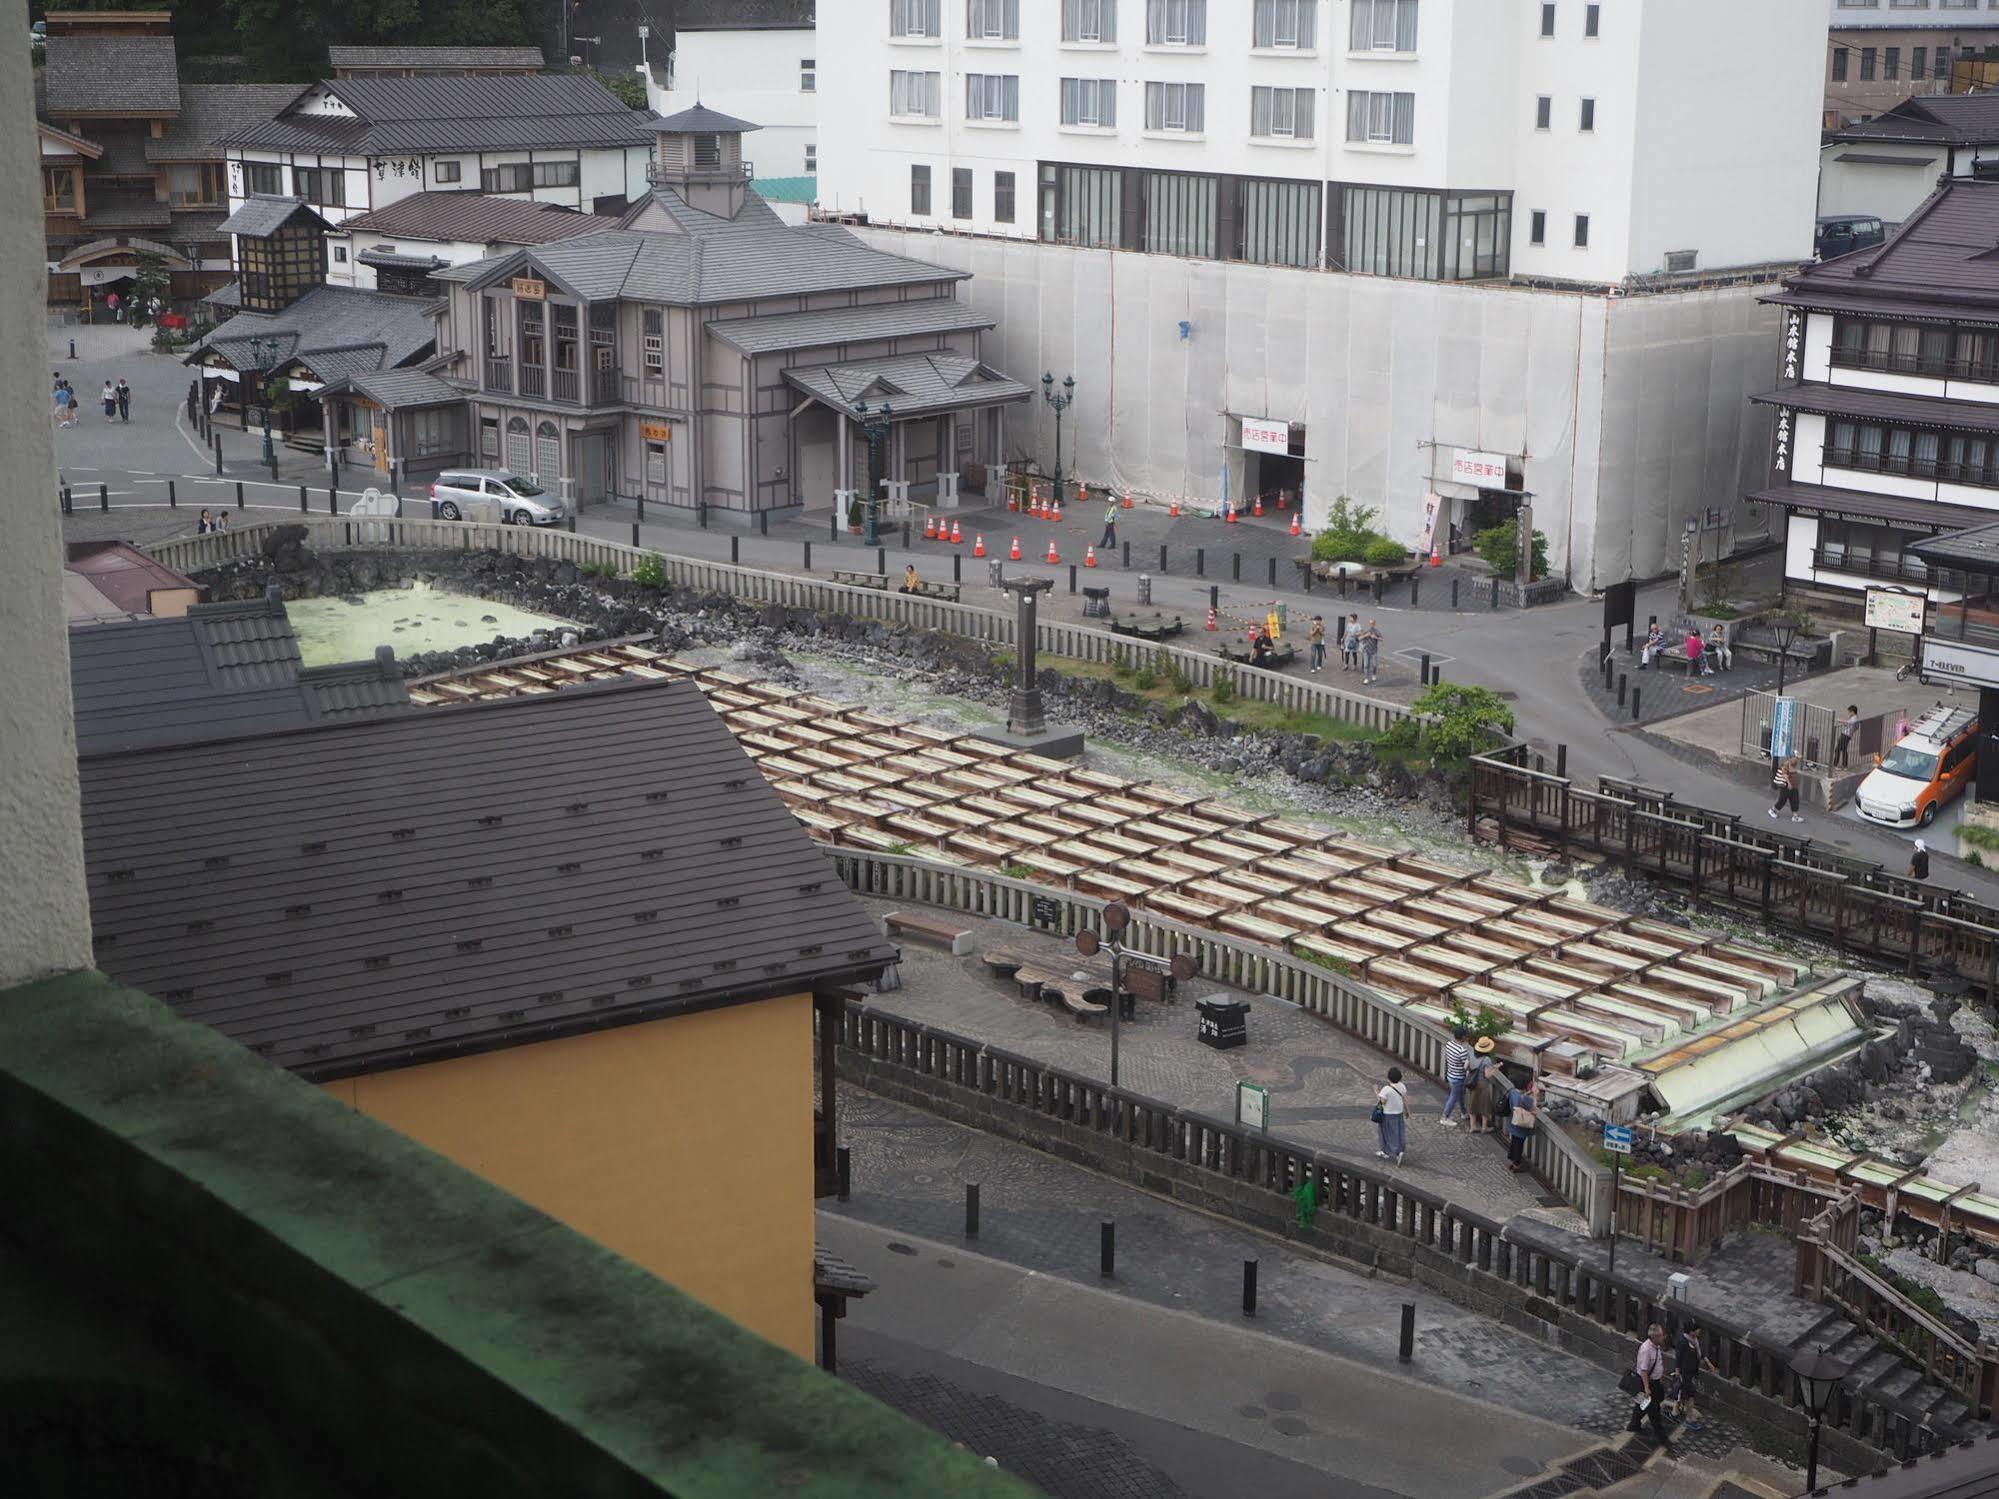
{"points": [[1650, 1403]]}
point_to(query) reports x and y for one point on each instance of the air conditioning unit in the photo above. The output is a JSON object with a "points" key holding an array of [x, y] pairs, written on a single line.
{"points": [[1681, 260]]}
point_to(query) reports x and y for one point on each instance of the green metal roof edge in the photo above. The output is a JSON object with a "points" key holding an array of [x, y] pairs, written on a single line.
{"points": [[788, 189]]}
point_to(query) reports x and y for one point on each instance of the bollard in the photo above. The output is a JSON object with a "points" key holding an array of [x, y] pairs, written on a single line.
{"points": [[1127, 556], [640, 501], [1308, 578], [239, 494], [957, 567], [1235, 567], [905, 536], [172, 502], [218, 455], [274, 468], [304, 502], [1107, 1247], [1608, 667], [1072, 577], [1424, 677], [635, 533], [1623, 682], [72, 348], [881, 560], [701, 513], [763, 521], [1415, 579], [1214, 598], [1343, 585], [1561, 759], [572, 516], [68, 501], [1249, 1288], [808, 556], [1634, 705], [845, 1161], [1162, 557], [1407, 1350], [1200, 562], [1273, 572], [971, 1210], [1540, 764], [1495, 594], [104, 497], [735, 550], [332, 500], [1454, 593], [833, 526]]}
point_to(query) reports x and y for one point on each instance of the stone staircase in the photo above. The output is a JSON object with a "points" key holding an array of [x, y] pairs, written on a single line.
{"points": [[1886, 1376]]}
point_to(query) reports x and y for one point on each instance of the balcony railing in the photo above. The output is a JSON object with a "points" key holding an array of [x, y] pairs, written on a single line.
{"points": [[534, 380], [567, 385], [1895, 569], [1984, 476], [1945, 367], [499, 373], [721, 172]]}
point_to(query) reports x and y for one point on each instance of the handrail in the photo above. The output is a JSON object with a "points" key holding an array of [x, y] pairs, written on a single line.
{"points": [[1903, 1307], [191, 554]]}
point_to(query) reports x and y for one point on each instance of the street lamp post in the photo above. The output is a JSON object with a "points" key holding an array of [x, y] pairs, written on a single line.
{"points": [[264, 356], [1116, 918], [1818, 1375], [1061, 404], [875, 423], [1786, 631]]}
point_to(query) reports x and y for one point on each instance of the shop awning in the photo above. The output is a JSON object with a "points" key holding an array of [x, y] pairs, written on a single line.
{"points": [[1882, 509]]}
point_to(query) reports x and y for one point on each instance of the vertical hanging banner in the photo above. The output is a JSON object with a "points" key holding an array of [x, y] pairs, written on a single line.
{"points": [[1432, 504]]}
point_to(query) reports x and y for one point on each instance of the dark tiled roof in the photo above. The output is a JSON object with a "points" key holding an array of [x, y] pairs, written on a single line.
{"points": [[396, 390], [220, 669], [697, 270], [397, 261], [743, 15], [1884, 406], [126, 211], [434, 57], [912, 383], [1976, 547], [1942, 253], [306, 896], [122, 573], [831, 1273], [476, 219], [264, 214], [701, 120], [336, 330], [124, 154], [208, 111], [1861, 505], [126, 75], [755, 213], [1947, 119], [501, 111], [831, 326]]}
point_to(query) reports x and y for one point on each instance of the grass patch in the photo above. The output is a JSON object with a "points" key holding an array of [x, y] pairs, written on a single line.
{"points": [[1170, 690], [1978, 836]]}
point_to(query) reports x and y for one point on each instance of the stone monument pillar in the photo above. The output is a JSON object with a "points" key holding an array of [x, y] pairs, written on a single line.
{"points": [[1026, 726]]}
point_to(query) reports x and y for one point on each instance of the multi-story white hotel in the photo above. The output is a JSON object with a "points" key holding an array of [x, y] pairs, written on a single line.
{"points": [[1569, 140]]}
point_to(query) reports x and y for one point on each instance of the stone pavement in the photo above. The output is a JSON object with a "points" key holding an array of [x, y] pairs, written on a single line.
{"points": [[1322, 1081], [1378, 1431]]}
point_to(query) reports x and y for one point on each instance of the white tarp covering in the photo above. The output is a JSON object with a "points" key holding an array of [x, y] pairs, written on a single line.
{"points": [[1626, 415]]}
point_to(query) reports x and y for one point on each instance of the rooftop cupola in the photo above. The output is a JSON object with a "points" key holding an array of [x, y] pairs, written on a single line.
{"points": [[700, 156]]}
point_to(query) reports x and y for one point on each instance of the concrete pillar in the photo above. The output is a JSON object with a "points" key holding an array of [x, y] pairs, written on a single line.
{"points": [[45, 919]]}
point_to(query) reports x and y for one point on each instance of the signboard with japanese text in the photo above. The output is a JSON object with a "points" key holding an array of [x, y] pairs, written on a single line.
{"points": [[1485, 470], [1432, 503], [1782, 461], [1896, 609], [528, 288], [1794, 339], [655, 432], [1617, 1139], [1261, 435], [1783, 727]]}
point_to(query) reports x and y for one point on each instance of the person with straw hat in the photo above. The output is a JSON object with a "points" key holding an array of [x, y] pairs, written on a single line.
{"points": [[1478, 1092]]}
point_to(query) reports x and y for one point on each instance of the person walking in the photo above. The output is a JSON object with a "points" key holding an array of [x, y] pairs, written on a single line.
{"points": [[1919, 861], [1646, 1383], [1718, 648], [1316, 638], [1109, 538], [65, 405], [1848, 727], [1350, 644], [1478, 1091], [1391, 1116], [1370, 652], [1523, 1113], [109, 397], [1692, 1359], [124, 400], [1786, 781], [1457, 1073]]}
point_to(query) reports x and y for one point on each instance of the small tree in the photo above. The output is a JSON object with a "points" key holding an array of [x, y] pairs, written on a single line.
{"points": [[151, 281], [1499, 546], [1453, 721], [1347, 534], [627, 88]]}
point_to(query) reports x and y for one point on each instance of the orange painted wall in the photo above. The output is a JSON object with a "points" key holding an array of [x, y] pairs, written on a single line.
{"points": [[684, 1144]]}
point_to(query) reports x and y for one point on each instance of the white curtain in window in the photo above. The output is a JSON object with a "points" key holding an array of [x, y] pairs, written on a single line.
{"points": [[992, 96], [916, 18], [1357, 114], [1089, 101], [1286, 23], [915, 93], [1176, 22], [1281, 112], [993, 19], [1404, 133], [1089, 20], [1405, 25], [1379, 26], [1174, 106]]}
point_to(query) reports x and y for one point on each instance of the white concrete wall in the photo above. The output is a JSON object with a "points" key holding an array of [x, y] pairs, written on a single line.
{"points": [[1893, 192], [375, 182], [755, 76], [352, 273], [1627, 415], [45, 916]]}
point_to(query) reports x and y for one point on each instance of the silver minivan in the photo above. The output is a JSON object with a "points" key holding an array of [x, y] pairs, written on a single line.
{"points": [[521, 501]]}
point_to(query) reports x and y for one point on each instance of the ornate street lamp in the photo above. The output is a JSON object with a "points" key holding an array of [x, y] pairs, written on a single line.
{"points": [[1116, 918], [1818, 1375], [1786, 631], [263, 358], [875, 424], [1061, 404]]}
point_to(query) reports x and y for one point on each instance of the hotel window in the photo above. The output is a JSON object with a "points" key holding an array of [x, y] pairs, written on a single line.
{"points": [[1081, 205], [808, 75], [656, 463], [1839, 56], [992, 96], [1180, 213], [1176, 23], [1382, 26], [915, 18], [1592, 20], [556, 173], [1866, 64], [1089, 101], [1434, 236], [1381, 119], [961, 192], [1544, 112], [59, 189], [1003, 197], [1281, 113], [652, 343], [811, 158], [1943, 63], [1089, 20], [534, 348], [603, 335], [446, 171], [263, 177], [1587, 121], [1874, 551], [1548, 19], [490, 316], [919, 191], [196, 183], [431, 432], [1287, 23], [1279, 222], [992, 20], [1891, 64], [1919, 64], [916, 96], [1537, 227], [563, 316], [1582, 231], [1175, 106], [513, 177], [326, 186]]}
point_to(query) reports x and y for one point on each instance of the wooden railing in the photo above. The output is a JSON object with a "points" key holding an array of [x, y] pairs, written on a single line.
{"points": [[1362, 1211], [1683, 1223], [1859, 907], [192, 554], [1353, 1007]]}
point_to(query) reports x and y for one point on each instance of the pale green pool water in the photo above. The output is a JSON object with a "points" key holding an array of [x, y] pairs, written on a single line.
{"points": [[409, 620]]}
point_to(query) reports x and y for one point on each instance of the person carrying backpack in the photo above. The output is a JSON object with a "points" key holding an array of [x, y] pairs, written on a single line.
{"points": [[1524, 1115]]}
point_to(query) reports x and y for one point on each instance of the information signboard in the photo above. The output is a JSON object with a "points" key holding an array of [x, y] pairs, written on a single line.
{"points": [[1252, 1105], [1959, 661], [1896, 609], [1261, 435], [1617, 1139]]}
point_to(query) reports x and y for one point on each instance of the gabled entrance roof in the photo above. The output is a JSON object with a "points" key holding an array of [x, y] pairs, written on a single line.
{"points": [[913, 384]]}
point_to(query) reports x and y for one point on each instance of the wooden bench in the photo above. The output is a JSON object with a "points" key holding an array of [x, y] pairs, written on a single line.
{"points": [[1147, 627], [1285, 655], [946, 591], [913, 924], [860, 579], [1039, 977]]}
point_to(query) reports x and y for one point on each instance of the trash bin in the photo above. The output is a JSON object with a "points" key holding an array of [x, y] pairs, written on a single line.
{"points": [[995, 571], [1224, 1022], [1145, 588]]}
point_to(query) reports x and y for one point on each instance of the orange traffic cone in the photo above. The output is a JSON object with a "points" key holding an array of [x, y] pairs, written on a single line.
{"points": [[1296, 529], [957, 536], [1258, 508], [1228, 514], [929, 528], [1435, 560], [979, 545], [1211, 619], [1055, 511], [1127, 502], [1173, 510], [1053, 555], [1014, 555], [1283, 499], [1090, 556]]}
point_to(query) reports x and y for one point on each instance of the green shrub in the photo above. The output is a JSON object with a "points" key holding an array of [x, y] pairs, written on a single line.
{"points": [[1326, 960], [1978, 836], [854, 511], [1485, 1022], [1347, 534], [1016, 871], [1453, 722], [1224, 689], [1385, 553], [1171, 673], [1120, 664], [1972, 858], [650, 571], [1500, 549], [1146, 680]]}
